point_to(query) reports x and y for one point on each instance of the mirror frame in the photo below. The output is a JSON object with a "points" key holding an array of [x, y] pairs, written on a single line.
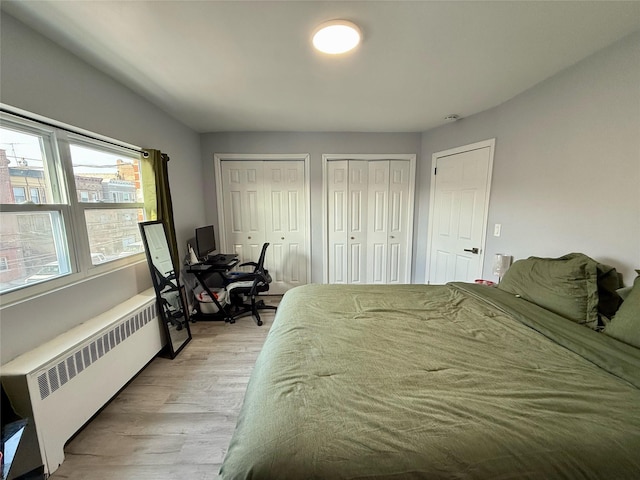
{"points": [[159, 288]]}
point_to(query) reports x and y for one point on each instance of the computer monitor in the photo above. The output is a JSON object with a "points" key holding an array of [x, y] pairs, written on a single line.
{"points": [[205, 241]]}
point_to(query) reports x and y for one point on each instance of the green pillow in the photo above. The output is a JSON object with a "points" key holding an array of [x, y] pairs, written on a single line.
{"points": [[625, 326], [567, 285], [625, 291]]}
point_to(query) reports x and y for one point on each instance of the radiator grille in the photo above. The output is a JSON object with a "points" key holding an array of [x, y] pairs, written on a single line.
{"points": [[52, 377]]}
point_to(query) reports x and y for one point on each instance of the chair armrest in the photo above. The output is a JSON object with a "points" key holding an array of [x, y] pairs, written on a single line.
{"points": [[258, 278], [248, 264], [238, 276]]}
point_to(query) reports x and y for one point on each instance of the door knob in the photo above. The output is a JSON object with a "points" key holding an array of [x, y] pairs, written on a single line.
{"points": [[281, 238], [472, 250], [353, 238], [249, 238]]}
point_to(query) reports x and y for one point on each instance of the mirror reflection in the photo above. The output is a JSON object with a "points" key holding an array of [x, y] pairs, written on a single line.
{"points": [[170, 294]]}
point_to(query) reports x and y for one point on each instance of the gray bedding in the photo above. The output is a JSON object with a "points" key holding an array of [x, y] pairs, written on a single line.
{"points": [[458, 381]]}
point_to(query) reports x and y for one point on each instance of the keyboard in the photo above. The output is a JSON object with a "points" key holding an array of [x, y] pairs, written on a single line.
{"points": [[220, 259]]}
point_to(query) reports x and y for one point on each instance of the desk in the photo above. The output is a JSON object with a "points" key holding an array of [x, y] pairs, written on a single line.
{"points": [[202, 270]]}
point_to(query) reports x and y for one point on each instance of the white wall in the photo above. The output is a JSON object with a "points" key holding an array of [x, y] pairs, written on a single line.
{"points": [[314, 144], [567, 164], [39, 76]]}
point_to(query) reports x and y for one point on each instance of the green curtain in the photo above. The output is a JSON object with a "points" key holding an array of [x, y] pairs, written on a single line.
{"points": [[157, 197]]}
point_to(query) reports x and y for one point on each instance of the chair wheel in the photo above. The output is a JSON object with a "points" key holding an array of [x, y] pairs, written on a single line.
{"points": [[259, 323]]}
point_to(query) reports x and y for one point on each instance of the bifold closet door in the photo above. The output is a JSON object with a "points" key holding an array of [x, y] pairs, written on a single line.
{"points": [[243, 197], [263, 201], [387, 242], [367, 215], [285, 227], [346, 222]]}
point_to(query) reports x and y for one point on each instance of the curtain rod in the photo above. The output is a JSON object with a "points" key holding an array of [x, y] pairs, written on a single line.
{"points": [[76, 132]]}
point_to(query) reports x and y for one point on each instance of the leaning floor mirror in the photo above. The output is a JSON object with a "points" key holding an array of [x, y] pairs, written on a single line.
{"points": [[170, 294]]}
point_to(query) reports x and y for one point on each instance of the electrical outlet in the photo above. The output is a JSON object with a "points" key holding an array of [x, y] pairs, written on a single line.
{"points": [[497, 229]]}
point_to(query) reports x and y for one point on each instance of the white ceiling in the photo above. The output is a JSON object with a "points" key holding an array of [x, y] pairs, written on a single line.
{"points": [[249, 65]]}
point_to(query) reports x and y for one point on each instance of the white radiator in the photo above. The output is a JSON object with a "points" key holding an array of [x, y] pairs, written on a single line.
{"points": [[60, 385]]}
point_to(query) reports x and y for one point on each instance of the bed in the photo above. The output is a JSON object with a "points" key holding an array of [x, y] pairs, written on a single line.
{"points": [[459, 381]]}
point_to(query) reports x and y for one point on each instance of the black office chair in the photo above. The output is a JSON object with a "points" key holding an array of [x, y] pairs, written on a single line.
{"points": [[169, 298], [249, 284]]}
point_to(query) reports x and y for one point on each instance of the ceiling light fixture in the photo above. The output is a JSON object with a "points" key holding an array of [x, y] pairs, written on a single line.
{"points": [[336, 37]]}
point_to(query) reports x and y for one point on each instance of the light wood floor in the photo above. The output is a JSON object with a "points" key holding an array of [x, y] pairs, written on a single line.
{"points": [[175, 419]]}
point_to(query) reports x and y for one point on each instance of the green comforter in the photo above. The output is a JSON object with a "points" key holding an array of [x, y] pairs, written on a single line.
{"points": [[458, 381]]}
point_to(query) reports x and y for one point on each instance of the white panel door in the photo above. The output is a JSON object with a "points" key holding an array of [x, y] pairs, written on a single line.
{"points": [[387, 236], [264, 201], [368, 214], [399, 267], [378, 222], [286, 226], [243, 209], [347, 220], [357, 222], [458, 221], [338, 220]]}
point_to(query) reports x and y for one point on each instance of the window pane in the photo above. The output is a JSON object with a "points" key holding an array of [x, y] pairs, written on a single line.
{"points": [[18, 195], [34, 248], [24, 168], [104, 176], [113, 233]]}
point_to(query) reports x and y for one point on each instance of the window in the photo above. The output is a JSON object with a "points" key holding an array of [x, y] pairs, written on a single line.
{"points": [[83, 206], [113, 175], [19, 195], [34, 194]]}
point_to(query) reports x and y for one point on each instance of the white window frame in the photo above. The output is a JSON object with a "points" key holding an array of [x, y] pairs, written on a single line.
{"points": [[71, 210]]}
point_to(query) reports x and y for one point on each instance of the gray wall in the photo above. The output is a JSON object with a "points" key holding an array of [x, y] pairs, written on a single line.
{"points": [[566, 169], [567, 164], [566, 172], [39, 76], [315, 144]]}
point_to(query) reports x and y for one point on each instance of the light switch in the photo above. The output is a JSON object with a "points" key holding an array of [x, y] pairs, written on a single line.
{"points": [[497, 229]]}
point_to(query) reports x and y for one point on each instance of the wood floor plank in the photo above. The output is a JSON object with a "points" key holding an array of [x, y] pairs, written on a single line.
{"points": [[138, 472], [176, 418]]}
